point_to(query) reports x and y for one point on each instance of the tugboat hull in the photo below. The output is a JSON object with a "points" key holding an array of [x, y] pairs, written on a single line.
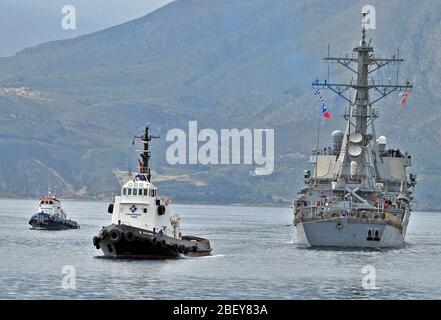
{"points": [[342, 233], [122, 241], [43, 221]]}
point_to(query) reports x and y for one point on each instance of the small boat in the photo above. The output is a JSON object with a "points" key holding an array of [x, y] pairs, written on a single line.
{"points": [[143, 225], [50, 215]]}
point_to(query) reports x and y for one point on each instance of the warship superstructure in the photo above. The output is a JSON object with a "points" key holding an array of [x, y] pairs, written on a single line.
{"points": [[358, 193], [50, 215], [143, 225]]}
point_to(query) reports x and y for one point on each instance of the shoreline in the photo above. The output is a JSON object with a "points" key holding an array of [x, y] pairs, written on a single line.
{"points": [[248, 204]]}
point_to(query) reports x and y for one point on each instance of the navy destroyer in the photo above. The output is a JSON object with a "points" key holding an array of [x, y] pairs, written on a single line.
{"points": [[50, 215], [143, 225], [358, 193]]}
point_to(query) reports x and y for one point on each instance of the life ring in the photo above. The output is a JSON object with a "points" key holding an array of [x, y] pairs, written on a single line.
{"points": [[115, 235], [129, 236]]}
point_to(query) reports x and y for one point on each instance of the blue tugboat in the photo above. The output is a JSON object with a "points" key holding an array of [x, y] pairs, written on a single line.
{"points": [[50, 215]]}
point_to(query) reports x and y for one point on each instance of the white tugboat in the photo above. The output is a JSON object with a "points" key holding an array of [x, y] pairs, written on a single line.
{"points": [[358, 194], [50, 214], [143, 225]]}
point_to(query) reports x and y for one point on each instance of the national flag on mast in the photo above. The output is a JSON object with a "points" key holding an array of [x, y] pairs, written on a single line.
{"points": [[404, 96], [324, 109]]}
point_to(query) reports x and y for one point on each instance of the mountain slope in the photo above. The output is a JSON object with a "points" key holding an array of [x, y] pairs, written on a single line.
{"points": [[227, 64]]}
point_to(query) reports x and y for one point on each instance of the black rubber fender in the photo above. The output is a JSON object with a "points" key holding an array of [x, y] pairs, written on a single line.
{"points": [[129, 236], [161, 210], [115, 235], [96, 241]]}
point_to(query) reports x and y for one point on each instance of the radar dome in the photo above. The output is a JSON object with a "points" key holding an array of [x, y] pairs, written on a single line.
{"points": [[382, 140]]}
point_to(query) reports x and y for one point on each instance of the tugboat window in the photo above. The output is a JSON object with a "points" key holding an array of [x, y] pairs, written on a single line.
{"points": [[124, 191], [135, 192], [51, 202], [146, 192], [41, 202], [140, 192], [129, 192]]}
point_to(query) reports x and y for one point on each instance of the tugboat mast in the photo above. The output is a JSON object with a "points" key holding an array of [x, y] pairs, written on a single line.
{"points": [[145, 154]]}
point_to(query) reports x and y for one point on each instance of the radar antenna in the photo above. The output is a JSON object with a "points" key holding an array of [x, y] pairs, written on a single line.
{"points": [[362, 62], [145, 154]]}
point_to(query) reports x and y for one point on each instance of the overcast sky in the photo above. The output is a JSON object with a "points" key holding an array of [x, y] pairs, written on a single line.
{"points": [[25, 23]]}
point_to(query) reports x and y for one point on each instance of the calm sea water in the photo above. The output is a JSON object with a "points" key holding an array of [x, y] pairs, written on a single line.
{"points": [[255, 256]]}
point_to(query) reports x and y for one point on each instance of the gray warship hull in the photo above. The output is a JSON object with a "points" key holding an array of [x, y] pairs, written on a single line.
{"points": [[349, 234], [358, 194]]}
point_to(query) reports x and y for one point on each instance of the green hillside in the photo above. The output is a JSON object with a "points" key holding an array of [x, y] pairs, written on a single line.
{"points": [[226, 64]]}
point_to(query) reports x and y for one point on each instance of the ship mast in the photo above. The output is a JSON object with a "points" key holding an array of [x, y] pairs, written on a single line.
{"points": [[145, 154], [361, 115]]}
